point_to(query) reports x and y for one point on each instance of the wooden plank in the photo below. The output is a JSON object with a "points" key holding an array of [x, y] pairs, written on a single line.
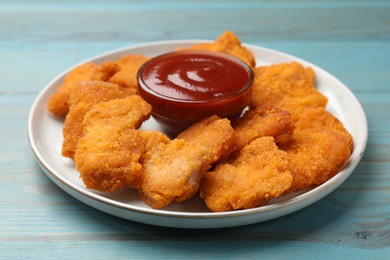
{"points": [[336, 21], [163, 249]]}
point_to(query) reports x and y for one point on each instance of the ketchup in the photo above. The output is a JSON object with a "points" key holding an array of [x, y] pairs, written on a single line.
{"points": [[186, 86], [195, 76]]}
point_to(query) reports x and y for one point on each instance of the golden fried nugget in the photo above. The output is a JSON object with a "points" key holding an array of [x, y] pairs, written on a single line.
{"points": [[172, 171], [91, 71], [261, 122], [127, 75], [229, 43], [82, 97], [218, 148], [320, 147], [152, 141], [108, 155], [316, 119], [288, 86], [58, 102], [255, 175], [131, 111]]}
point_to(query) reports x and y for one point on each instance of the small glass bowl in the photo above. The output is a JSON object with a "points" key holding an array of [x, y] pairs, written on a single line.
{"points": [[175, 115]]}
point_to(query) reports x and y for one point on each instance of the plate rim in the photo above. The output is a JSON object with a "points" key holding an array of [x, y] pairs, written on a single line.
{"points": [[325, 188]]}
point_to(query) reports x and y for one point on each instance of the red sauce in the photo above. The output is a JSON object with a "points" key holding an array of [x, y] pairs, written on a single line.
{"points": [[195, 76], [186, 86]]}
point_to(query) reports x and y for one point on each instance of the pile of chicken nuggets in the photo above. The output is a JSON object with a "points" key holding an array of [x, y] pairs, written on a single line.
{"points": [[285, 142]]}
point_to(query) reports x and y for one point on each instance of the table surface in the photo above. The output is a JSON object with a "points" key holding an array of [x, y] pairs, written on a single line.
{"points": [[40, 39]]}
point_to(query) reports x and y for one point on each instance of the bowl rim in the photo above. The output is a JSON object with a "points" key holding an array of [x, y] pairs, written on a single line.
{"points": [[247, 87]]}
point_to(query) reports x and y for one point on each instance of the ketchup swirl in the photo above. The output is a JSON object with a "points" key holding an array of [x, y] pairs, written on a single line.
{"points": [[184, 87], [196, 76]]}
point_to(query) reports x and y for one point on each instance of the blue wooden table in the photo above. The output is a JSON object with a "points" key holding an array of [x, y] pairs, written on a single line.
{"points": [[40, 39]]}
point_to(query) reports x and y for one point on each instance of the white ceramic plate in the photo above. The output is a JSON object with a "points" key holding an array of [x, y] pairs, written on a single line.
{"points": [[45, 135]]}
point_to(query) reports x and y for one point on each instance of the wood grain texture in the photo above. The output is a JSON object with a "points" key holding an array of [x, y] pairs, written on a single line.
{"points": [[40, 39]]}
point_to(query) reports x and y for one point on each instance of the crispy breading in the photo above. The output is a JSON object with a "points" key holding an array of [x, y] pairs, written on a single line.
{"points": [[259, 122], [82, 97], [255, 175], [131, 111], [218, 148], [172, 172], [108, 155], [288, 86], [228, 43], [127, 75], [320, 145], [58, 102]]}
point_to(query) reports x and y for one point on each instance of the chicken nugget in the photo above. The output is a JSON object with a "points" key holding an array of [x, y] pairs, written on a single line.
{"points": [[288, 86], [228, 43], [108, 155], [58, 102], [82, 97], [251, 178], [214, 132], [172, 171], [127, 75], [131, 111], [261, 122], [319, 148]]}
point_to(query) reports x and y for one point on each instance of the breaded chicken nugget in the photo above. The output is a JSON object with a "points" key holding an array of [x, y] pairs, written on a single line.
{"points": [[229, 43], [108, 155], [261, 122], [127, 75], [288, 86], [255, 175], [172, 172], [218, 148], [131, 111], [320, 147], [82, 97], [58, 102]]}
